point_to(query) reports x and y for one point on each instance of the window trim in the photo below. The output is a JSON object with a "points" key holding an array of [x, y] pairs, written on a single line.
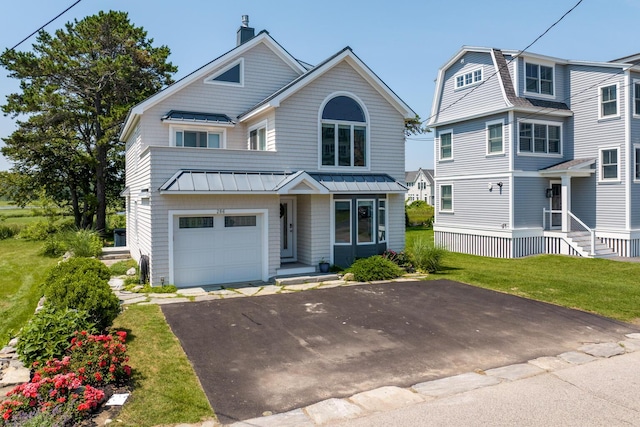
{"points": [[211, 78], [440, 133], [488, 142], [173, 129], [636, 97], [533, 153], [610, 116], [386, 221], [260, 125], [333, 214], [601, 178], [366, 124], [539, 94], [440, 210], [374, 222], [636, 162], [470, 72]]}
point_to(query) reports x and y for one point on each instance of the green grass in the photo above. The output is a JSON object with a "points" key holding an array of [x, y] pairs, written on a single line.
{"points": [[22, 270], [166, 389], [609, 288]]}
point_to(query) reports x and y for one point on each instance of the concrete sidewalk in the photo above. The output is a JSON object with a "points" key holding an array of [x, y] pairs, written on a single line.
{"points": [[598, 385]]}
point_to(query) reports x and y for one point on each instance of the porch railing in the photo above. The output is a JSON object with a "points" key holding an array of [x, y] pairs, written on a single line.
{"points": [[575, 224]]}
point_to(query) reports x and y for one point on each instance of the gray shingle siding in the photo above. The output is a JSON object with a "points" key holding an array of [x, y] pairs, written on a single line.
{"points": [[529, 200]]}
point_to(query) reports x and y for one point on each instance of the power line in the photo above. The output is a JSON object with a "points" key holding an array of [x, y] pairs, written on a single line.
{"points": [[49, 22]]}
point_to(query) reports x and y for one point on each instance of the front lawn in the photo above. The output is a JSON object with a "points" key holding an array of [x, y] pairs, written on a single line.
{"points": [[601, 286], [22, 270], [166, 389]]}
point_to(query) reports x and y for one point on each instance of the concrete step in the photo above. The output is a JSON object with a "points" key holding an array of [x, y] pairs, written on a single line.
{"points": [[296, 280]]}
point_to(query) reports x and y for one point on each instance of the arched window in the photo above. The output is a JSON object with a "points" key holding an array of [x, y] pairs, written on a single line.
{"points": [[344, 133]]}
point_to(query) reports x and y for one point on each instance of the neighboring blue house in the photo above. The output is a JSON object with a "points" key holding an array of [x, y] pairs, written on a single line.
{"points": [[535, 154]]}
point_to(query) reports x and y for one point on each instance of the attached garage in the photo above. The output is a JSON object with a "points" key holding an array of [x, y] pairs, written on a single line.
{"points": [[215, 248]]}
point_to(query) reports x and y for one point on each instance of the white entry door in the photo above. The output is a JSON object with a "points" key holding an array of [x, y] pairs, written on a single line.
{"points": [[287, 228]]}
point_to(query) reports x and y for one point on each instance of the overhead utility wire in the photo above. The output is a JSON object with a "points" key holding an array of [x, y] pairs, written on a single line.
{"points": [[56, 17], [509, 62]]}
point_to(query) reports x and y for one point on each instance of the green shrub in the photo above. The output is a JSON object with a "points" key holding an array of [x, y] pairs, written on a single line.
{"points": [[49, 332], [401, 259], [84, 243], [120, 268], [38, 230], [53, 246], [116, 221], [82, 284], [8, 231], [374, 268], [426, 256]]}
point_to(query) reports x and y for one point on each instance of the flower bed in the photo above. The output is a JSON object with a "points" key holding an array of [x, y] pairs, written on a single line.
{"points": [[62, 392]]}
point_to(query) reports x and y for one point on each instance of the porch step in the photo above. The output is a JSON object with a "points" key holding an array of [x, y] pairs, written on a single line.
{"points": [[582, 239], [113, 253]]}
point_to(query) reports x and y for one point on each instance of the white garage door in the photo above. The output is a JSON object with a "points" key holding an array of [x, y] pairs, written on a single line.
{"points": [[214, 249]]}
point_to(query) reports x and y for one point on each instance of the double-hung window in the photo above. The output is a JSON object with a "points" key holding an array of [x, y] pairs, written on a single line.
{"points": [[446, 198], [198, 138], [538, 79], [609, 164], [446, 145], [636, 150], [344, 133], [540, 138], [636, 98], [495, 137], [258, 137], [608, 101]]}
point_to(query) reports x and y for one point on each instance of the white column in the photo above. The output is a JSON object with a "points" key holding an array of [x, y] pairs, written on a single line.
{"points": [[566, 202]]}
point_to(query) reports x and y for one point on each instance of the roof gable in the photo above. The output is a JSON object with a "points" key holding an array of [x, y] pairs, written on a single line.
{"points": [[211, 70], [345, 55]]}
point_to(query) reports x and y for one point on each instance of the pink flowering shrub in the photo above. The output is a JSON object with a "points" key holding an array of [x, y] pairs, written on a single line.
{"points": [[62, 392], [63, 398], [97, 359]]}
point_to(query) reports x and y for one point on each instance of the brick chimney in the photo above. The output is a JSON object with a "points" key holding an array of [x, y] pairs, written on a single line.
{"points": [[245, 32]]}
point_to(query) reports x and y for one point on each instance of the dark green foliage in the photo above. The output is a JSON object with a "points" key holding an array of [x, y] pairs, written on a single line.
{"points": [[82, 284], [48, 334], [427, 257], [76, 87], [374, 268], [401, 259], [53, 246], [8, 231]]}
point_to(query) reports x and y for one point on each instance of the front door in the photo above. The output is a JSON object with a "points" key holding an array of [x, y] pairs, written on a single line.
{"points": [[287, 229], [556, 205]]}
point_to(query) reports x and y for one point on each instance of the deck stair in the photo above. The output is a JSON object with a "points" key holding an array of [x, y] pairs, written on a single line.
{"points": [[582, 240]]}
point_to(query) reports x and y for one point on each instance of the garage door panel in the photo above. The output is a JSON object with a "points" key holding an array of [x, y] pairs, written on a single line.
{"points": [[219, 254]]}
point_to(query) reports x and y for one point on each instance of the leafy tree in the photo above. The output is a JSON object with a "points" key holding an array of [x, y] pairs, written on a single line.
{"points": [[414, 126], [76, 88]]}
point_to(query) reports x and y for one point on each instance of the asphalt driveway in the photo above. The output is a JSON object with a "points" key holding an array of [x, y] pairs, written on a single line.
{"points": [[280, 352]]}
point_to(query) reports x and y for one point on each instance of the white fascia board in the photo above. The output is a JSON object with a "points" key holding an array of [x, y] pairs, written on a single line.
{"points": [[544, 111], [471, 117], [230, 56], [440, 79], [130, 124], [261, 109]]}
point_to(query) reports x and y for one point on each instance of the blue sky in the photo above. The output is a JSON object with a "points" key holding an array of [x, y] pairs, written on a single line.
{"points": [[404, 41]]}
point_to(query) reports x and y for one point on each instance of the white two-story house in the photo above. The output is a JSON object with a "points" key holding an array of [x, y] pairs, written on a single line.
{"points": [[536, 154], [419, 185], [257, 165]]}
